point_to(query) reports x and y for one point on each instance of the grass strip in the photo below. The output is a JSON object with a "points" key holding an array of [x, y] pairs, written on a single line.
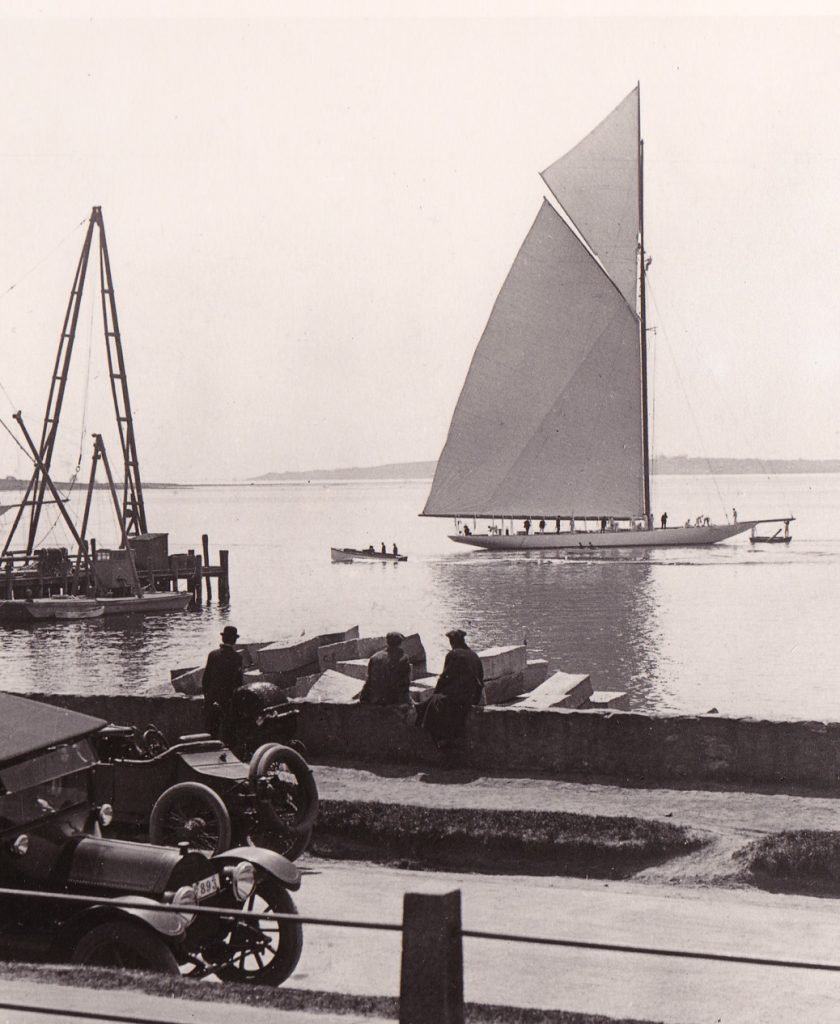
{"points": [[520, 842], [293, 999], [804, 861]]}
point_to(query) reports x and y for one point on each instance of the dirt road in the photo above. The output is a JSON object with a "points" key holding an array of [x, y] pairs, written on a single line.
{"points": [[617, 984]]}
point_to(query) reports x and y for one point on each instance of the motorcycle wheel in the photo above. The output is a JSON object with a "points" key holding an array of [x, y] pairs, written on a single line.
{"points": [[285, 790], [124, 944], [265, 952], [191, 812]]}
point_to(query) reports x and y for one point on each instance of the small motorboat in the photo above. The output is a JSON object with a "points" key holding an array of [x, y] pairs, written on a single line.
{"points": [[365, 555]]}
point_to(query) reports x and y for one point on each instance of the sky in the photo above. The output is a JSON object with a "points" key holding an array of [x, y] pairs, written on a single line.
{"points": [[309, 219]]}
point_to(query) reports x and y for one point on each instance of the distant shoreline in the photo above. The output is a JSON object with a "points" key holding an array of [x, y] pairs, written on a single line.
{"points": [[669, 465]]}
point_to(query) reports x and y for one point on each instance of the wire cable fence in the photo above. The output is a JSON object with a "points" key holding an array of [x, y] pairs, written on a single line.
{"points": [[431, 983]]}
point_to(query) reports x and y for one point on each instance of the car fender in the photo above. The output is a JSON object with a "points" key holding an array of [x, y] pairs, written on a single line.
{"points": [[272, 863], [168, 925]]}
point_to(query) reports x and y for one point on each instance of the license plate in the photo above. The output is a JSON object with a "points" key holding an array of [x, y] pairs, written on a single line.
{"points": [[207, 887]]}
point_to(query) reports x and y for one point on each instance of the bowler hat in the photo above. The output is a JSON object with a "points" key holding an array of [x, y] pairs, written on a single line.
{"points": [[229, 634]]}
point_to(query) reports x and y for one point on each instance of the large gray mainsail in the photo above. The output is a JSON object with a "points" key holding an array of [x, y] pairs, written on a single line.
{"points": [[549, 420], [597, 184]]}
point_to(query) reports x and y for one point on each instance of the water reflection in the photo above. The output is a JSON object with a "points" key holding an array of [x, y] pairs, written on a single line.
{"points": [[592, 614]]}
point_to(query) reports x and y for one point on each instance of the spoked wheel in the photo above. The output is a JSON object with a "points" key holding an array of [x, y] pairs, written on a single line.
{"points": [[190, 812], [124, 944], [264, 952], [285, 791]]}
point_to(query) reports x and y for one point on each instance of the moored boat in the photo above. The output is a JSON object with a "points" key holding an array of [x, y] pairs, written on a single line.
{"points": [[146, 603], [61, 608]]}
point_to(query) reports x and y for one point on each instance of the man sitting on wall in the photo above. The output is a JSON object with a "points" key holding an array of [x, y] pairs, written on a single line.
{"points": [[388, 675]]}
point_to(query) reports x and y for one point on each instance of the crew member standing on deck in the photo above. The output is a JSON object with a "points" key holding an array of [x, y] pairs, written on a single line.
{"points": [[222, 675], [460, 685], [663, 520], [388, 675]]}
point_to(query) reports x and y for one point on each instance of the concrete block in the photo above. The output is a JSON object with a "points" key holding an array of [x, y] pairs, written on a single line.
{"points": [[503, 661], [504, 689], [603, 699], [560, 690], [334, 688], [285, 657], [303, 685], [187, 680], [368, 645], [421, 691], [330, 654], [536, 672], [413, 647], [357, 668], [250, 650]]}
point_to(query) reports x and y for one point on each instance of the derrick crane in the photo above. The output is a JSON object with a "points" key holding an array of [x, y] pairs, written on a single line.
{"points": [[132, 510]]}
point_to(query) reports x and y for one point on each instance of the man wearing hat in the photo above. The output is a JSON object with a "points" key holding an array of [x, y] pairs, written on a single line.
{"points": [[388, 675], [222, 675], [460, 685]]}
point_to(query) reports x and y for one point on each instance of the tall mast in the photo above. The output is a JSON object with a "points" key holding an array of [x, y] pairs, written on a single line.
{"points": [[643, 321]]}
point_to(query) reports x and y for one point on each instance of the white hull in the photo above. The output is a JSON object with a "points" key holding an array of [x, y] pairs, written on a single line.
{"points": [[671, 537], [354, 555], [148, 604]]}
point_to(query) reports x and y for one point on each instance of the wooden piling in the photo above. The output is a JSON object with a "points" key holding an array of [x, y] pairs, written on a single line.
{"points": [[224, 581], [205, 547], [196, 580]]}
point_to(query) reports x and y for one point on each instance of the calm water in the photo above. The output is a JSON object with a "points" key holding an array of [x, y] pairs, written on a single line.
{"points": [[752, 631]]}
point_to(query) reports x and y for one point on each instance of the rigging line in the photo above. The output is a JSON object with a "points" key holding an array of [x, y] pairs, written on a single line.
{"points": [[40, 264], [690, 407], [8, 396], [12, 436]]}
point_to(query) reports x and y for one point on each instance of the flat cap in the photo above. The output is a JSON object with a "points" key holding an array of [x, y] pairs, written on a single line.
{"points": [[394, 639], [456, 634]]}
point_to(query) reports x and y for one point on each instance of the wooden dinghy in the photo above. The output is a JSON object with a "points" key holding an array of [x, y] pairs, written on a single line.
{"points": [[146, 603]]}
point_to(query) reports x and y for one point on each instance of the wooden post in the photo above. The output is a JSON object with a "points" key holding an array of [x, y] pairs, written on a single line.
{"points": [[432, 976], [205, 547], [196, 580], [224, 581], [9, 590]]}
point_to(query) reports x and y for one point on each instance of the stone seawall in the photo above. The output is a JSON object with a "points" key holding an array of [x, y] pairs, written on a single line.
{"points": [[624, 746]]}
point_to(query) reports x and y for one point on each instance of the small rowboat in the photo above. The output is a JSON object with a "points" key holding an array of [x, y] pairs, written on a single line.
{"points": [[355, 555], [776, 538], [65, 609]]}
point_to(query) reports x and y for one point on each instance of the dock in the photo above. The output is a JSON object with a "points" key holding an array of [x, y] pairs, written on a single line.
{"points": [[50, 572]]}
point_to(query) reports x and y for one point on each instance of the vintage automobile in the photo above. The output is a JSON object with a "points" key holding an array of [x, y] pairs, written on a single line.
{"points": [[51, 842], [197, 791]]}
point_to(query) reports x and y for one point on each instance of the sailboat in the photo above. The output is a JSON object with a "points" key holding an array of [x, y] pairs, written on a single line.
{"points": [[549, 440]]}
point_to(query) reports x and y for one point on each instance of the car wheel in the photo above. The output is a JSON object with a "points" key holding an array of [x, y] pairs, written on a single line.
{"points": [[190, 812], [285, 790], [289, 842], [264, 952], [124, 944]]}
